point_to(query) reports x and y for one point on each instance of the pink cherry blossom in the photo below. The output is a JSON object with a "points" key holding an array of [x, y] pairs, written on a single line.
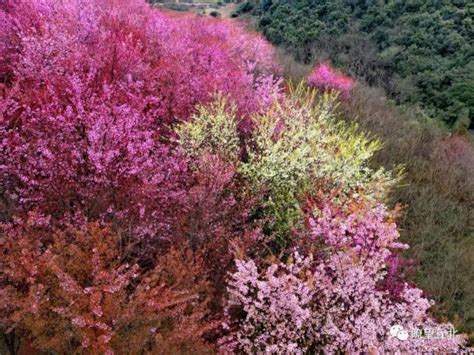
{"points": [[325, 78]]}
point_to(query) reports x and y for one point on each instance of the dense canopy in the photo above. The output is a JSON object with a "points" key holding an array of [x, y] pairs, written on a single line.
{"points": [[419, 51]]}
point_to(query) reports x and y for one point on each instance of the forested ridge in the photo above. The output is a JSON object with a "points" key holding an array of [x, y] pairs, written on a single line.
{"points": [[420, 52]]}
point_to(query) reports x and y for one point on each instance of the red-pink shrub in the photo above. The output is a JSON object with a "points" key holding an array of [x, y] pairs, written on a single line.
{"points": [[77, 290], [91, 91], [177, 61], [326, 78], [217, 217]]}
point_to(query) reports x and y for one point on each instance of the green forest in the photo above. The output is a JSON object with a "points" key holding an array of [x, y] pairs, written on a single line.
{"points": [[420, 52]]}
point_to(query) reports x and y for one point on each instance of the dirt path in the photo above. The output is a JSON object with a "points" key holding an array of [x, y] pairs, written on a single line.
{"points": [[227, 9]]}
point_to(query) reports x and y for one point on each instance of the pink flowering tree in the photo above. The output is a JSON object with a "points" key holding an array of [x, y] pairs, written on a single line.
{"points": [[326, 78], [335, 298], [90, 90]]}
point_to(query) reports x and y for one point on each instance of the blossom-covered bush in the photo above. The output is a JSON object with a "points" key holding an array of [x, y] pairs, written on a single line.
{"points": [[82, 291], [213, 219], [326, 78], [301, 142], [213, 129], [332, 300], [276, 305], [90, 91]]}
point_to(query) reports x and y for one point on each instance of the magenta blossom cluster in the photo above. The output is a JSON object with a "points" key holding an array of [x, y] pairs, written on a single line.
{"points": [[326, 78], [89, 91]]}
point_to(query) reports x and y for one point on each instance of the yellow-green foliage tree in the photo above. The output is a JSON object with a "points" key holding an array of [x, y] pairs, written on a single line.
{"points": [[296, 143]]}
